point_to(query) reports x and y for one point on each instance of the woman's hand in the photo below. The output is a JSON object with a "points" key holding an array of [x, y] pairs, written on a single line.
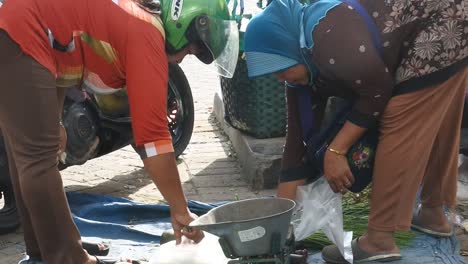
{"points": [[180, 224], [337, 172], [336, 168]]}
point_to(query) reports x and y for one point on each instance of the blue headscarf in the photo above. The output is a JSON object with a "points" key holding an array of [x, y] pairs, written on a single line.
{"points": [[272, 40]]}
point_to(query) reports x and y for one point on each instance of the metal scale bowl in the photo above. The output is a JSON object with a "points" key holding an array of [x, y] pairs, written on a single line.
{"points": [[254, 231]]}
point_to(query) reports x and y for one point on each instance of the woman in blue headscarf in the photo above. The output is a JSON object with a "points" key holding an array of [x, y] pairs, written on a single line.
{"points": [[403, 64]]}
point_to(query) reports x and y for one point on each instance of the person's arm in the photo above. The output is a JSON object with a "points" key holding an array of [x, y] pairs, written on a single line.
{"points": [[344, 52], [147, 77], [294, 171], [163, 170]]}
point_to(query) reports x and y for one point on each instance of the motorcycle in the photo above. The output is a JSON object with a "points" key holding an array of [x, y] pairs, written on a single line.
{"points": [[98, 124]]}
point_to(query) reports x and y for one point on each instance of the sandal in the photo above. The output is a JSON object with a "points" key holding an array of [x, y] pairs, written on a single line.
{"points": [[115, 261], [95, 249], [331, 254], [418, 227], [27, 260], [430, 232]]}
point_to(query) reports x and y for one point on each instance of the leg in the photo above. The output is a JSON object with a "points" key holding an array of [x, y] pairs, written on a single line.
{"points": [[399, 165], [29, 119], [440, 179], [409, 129], [289, 189], [32, 247]]}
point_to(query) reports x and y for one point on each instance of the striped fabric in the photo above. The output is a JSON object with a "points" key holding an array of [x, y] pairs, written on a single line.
{"points": [[155, 148]]}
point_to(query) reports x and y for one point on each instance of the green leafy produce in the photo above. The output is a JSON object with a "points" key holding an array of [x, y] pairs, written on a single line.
{"points": [[355, 217]]}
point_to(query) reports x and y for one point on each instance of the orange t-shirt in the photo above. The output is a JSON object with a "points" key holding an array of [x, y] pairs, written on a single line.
{"points": [[116, 44]]}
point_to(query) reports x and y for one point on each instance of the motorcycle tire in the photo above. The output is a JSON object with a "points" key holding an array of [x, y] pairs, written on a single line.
{"points": [[180, 96], [9, 218]]}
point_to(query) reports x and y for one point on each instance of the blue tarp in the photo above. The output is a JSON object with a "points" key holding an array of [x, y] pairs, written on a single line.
{"points": [[133, 229], [423, 250]]}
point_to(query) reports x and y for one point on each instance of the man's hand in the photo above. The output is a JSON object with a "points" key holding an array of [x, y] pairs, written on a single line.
{"points": [[163, 170], [180, 222]]}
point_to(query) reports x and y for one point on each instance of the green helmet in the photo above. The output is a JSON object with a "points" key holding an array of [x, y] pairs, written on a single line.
{"points": [[179, 15], [204, 22]]}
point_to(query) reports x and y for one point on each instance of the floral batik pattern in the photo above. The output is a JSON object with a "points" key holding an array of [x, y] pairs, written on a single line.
{"points": [[443, 37]]}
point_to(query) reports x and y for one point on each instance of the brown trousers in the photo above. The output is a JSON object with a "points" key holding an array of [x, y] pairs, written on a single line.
{"points": [[29, 122], [418, 146]]}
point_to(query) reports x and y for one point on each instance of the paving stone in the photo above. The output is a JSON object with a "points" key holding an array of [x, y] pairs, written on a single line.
{"points": [[219, 181], [231, 194], [13, 249], [184, 173], [108, 187], [155, 197], [213, 165], [203, 159], [12, 238], [207, 155], [208, 171], [75, 187], [11, 258]]}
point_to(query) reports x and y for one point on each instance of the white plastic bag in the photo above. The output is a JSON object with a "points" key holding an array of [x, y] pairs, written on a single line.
{"points": [[318, 207], [208, 251]]}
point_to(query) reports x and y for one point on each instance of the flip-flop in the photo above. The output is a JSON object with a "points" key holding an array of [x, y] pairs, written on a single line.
{"points": [[417, 226], [331, 254], [431, 232], [27, 260], [115, 261], [95, 249]]}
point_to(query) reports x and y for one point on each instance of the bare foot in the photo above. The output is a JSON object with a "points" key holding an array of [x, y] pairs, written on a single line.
{"points": [[377, 242], [433, 218]]}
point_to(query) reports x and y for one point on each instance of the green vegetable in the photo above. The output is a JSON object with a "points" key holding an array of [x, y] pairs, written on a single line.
{"points": [[355, 218]]}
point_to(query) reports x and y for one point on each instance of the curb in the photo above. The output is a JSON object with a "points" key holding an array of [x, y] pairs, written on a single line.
{"points": [[260, 158]]}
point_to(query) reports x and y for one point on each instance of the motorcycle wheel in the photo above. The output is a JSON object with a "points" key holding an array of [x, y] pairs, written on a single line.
{"points": [[180, 109], [181, 119], [9, 219]]}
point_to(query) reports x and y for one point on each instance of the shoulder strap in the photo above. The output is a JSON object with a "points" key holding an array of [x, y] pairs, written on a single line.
{"points": [[371, 26], [305, 112], [304, 100]]}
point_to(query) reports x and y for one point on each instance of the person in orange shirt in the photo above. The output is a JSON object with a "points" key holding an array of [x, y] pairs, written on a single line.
{"points": [[48, 45]]}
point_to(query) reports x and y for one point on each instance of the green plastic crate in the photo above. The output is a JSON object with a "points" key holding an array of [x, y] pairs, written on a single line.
{"points": [[254, 106]]}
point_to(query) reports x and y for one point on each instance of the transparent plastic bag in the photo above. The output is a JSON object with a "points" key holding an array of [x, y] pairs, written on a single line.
{"points": [[208, 251], [319, 208], [453, 215]]}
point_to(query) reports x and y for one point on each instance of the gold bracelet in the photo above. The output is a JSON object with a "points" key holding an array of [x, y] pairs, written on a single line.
{"points": [[337, 152]]}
